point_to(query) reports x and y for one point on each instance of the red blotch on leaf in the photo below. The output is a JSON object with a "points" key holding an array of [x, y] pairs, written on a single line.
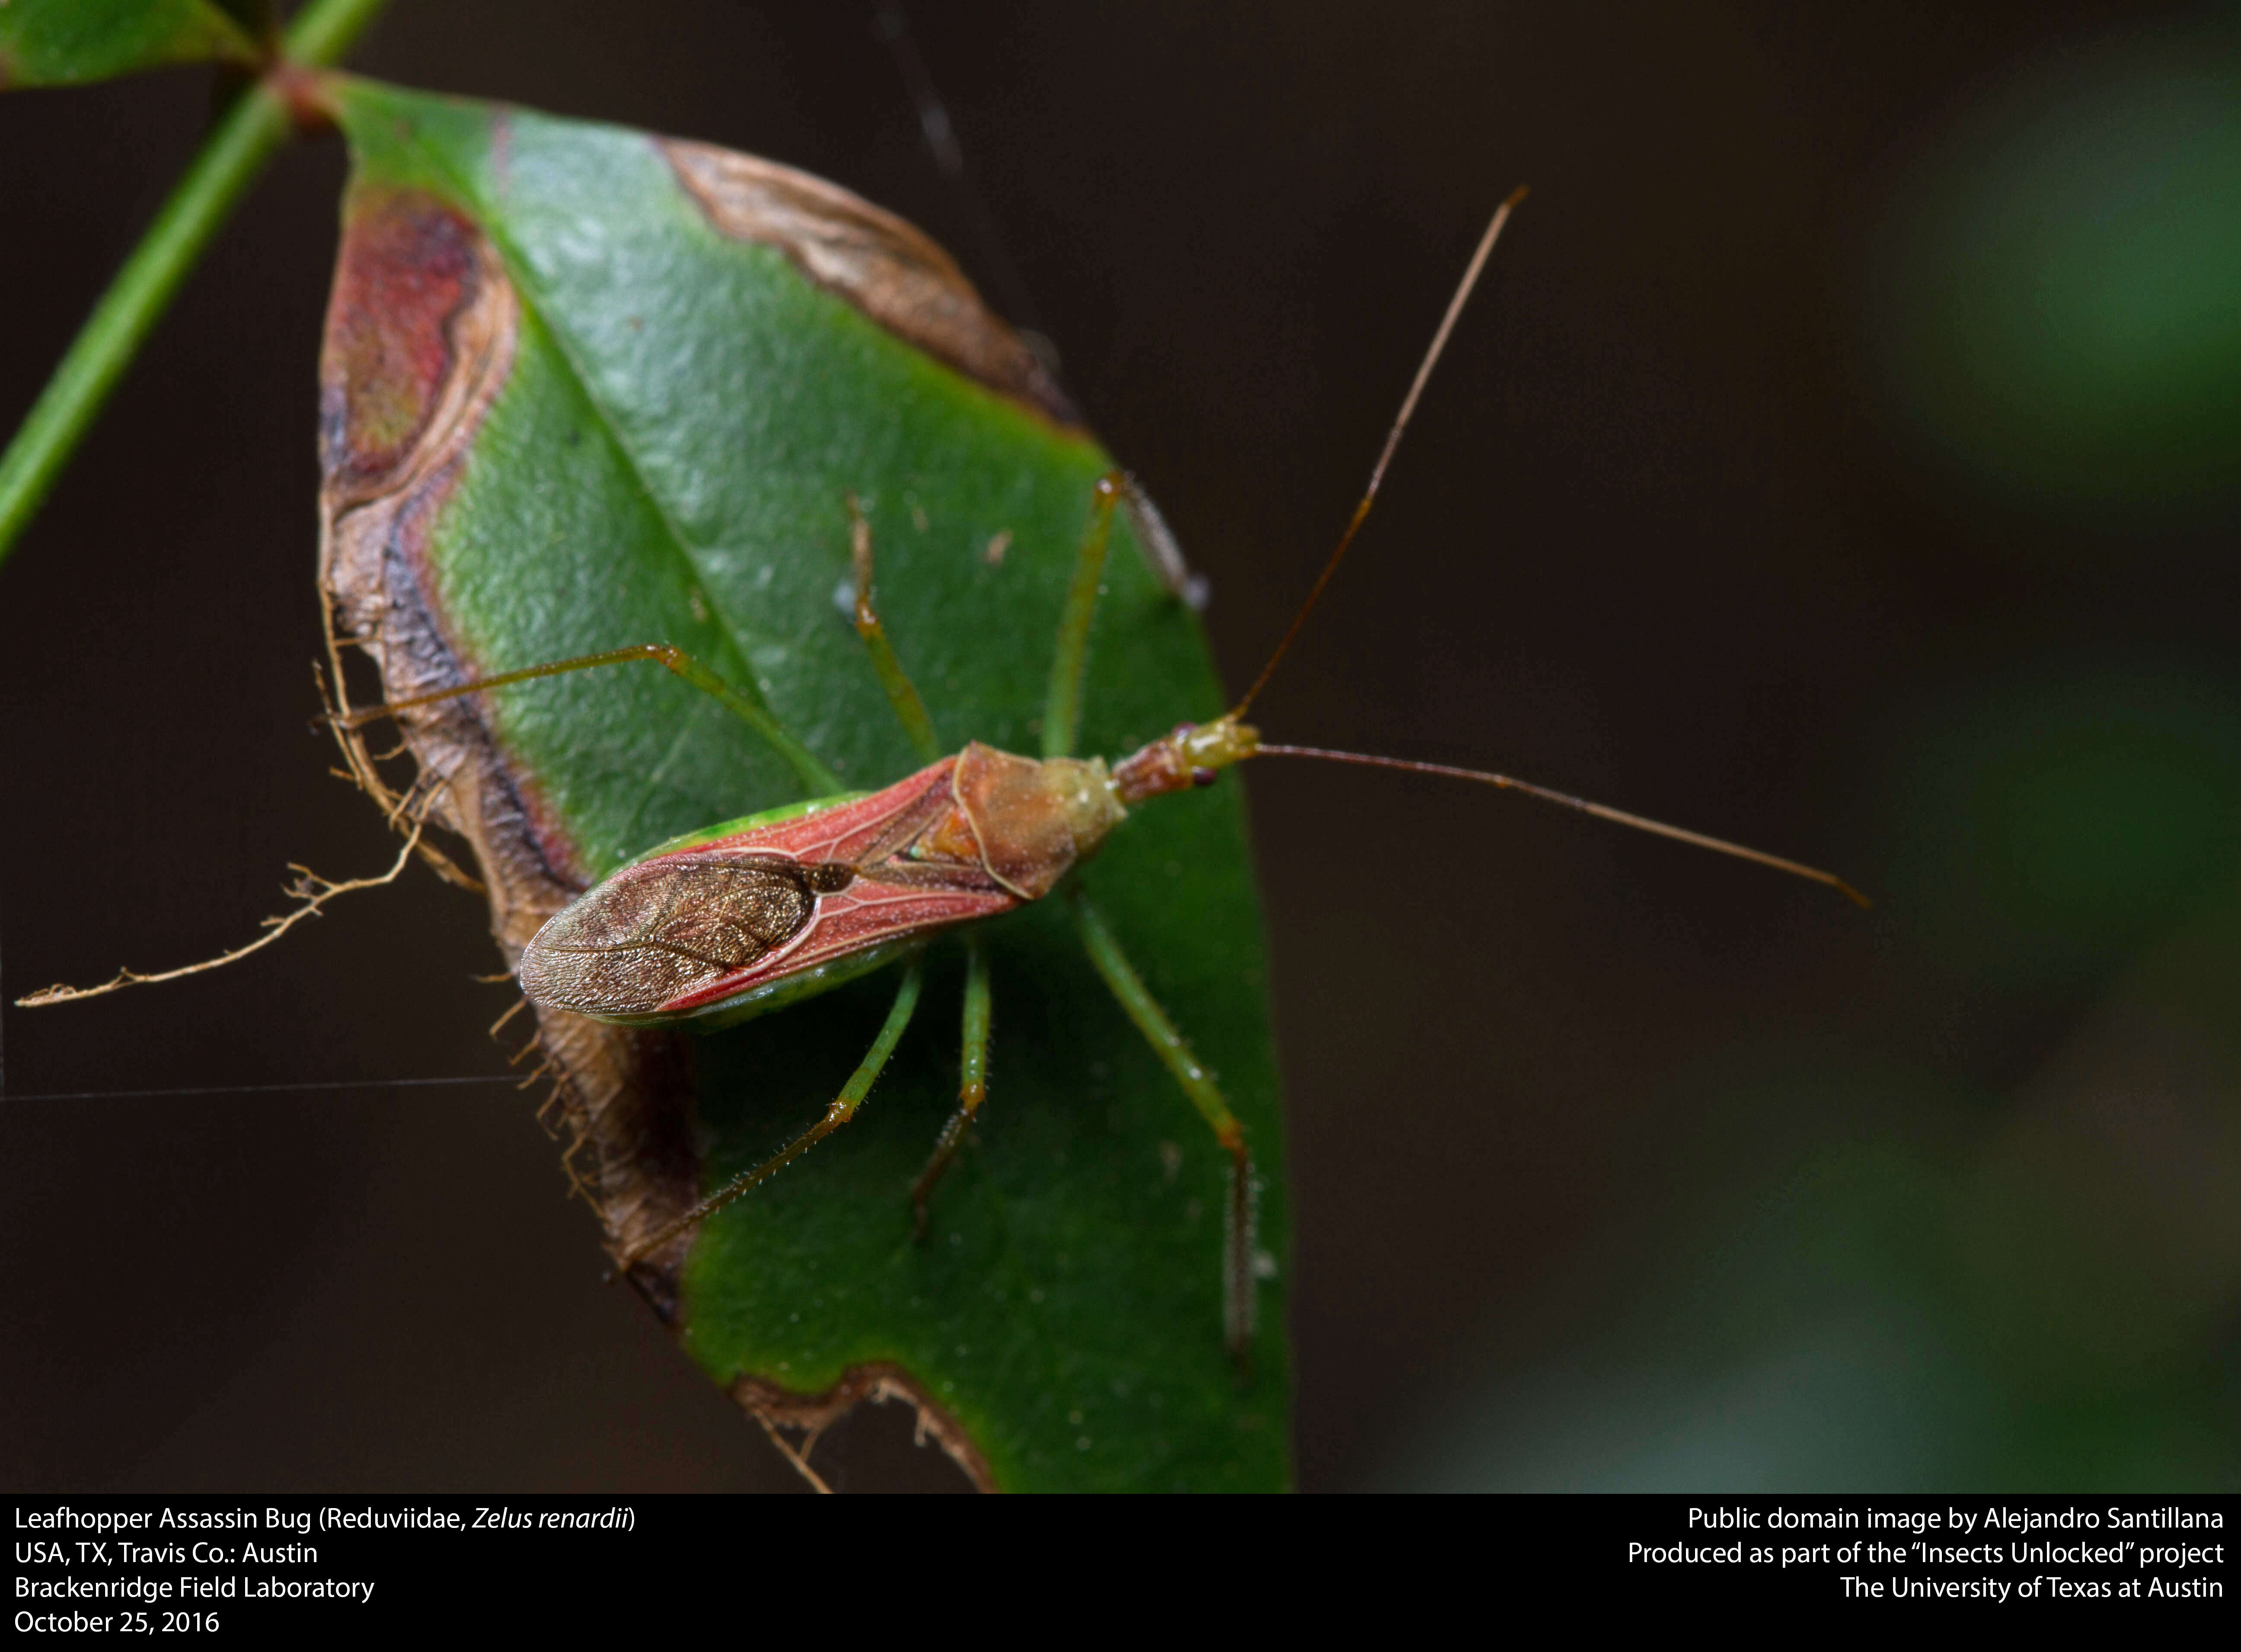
{"points": [[409, 266]]}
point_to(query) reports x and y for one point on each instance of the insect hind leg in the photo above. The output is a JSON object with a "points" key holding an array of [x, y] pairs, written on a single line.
{"points": [[747, 705], [842, 1108]]}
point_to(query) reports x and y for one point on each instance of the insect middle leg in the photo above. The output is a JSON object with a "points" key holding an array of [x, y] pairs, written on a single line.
{"points": [[910, 711], [842, 1109], [1237, 1270], [972, 1085]]}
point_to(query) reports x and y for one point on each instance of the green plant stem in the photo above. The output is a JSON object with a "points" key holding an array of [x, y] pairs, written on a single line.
{"points": [[230, 156]]}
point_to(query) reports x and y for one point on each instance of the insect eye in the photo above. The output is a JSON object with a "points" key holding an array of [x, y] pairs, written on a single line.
{"points": [[1205, 777]]}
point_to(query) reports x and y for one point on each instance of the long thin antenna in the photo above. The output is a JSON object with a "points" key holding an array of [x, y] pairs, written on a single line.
{"points": [[1601, 811], [1392, 440]]}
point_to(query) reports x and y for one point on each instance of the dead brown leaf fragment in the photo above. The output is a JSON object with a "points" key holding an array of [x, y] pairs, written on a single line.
{"points": [[421, 335], [783, 1413]]}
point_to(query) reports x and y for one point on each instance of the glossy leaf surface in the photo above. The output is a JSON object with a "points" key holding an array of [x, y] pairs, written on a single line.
{"points": [[570, 407], [65, 43]]}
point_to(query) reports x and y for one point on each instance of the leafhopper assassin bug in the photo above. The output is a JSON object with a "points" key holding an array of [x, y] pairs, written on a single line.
{"points": [[392, 981], [753, 915]]}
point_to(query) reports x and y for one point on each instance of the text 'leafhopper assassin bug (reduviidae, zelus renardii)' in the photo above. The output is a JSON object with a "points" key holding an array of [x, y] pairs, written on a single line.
{"points": [[754, 914]]}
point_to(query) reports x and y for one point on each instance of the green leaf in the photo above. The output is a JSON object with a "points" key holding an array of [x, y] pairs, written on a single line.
{"points": [[585, 388], [68, 43]]}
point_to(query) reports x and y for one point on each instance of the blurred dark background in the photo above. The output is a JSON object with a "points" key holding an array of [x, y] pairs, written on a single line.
{"points": [[1843, 455]]}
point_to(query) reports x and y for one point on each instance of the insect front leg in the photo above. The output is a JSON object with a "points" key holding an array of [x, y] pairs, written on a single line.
{"points": [[1152, 1022], [842, 1109], [972, 1085], [1062, 701]]}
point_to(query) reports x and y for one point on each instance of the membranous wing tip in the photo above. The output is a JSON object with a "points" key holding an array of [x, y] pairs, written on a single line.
{"points": [[657, 931]]}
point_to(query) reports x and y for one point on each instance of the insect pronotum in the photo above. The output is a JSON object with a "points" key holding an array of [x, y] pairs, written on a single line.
{"points": [[749, 915]]}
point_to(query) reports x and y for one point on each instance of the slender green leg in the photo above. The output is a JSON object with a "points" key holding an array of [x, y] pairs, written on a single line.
{"points": [[842, 1109], [1062, 705], [747, 706], [909, 708], [973, 1085], [1152, 1022]]}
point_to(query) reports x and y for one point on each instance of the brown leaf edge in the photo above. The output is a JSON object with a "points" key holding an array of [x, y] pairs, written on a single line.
{"points": [[887, 267], [902, 279], [782, 1411], [421, 331]]}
